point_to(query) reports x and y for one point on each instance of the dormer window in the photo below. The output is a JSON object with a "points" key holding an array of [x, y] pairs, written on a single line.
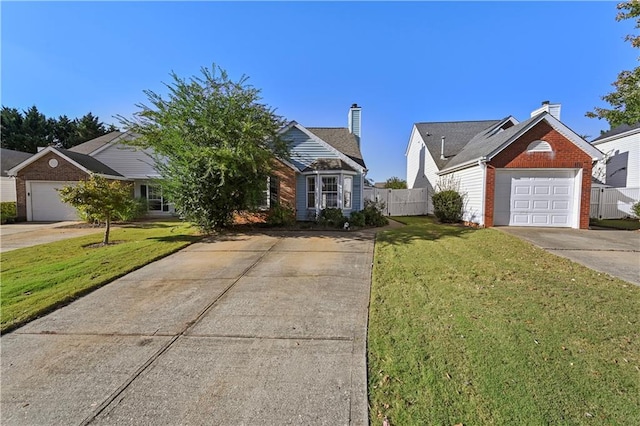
{"points": [[539, 146]]}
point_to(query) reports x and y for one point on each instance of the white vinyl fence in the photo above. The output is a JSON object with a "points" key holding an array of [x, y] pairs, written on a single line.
{"points": [[612, 203], [401, 202]]}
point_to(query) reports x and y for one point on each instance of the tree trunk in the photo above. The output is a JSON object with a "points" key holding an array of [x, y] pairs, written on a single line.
{"points": [[106, 230]]}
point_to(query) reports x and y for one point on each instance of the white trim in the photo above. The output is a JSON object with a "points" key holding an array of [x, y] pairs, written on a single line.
{"points": [[577, 198], [616, 136], [483, 193], [39, 155], [315, 138], [113, 141], [413, 131]]}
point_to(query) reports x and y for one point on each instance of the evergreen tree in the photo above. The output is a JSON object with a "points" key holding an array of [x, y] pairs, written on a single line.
{"points": [[11, 136]]}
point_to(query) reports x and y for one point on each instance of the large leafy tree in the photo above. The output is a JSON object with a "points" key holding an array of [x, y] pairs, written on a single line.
{"points": [[100, 199], [395, 183], [215, 141], [625, 100]]}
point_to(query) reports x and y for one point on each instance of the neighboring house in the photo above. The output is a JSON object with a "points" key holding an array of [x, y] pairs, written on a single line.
{"points": [[620, 168], [9, 159], [327, 166], [38, 177], [325, 169], [531, 173]]}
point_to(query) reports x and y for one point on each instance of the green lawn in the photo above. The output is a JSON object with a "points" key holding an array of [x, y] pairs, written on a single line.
{"points": [[627, 224], [36, 280], [477, 327]]}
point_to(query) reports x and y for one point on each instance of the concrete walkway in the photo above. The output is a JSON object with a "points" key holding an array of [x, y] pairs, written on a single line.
{"points": [[27, 234], [242, 330], [614, 252]]}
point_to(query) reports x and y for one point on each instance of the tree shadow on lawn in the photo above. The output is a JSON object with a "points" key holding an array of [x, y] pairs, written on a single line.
{"points": [[428, 230], [178, 238]]}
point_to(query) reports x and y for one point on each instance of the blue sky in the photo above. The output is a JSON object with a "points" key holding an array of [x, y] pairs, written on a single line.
{"points": [[402, 62]]}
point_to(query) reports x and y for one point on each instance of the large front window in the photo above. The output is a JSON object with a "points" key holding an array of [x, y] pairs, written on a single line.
{"points": [[155, 201], [329, 192]]}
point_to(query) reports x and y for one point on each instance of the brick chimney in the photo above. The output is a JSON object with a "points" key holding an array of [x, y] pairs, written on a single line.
{"points": [[553, 109], [355, 121]]}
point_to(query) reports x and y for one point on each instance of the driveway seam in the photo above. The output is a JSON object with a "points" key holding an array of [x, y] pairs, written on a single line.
{"points": [[114, 395]]}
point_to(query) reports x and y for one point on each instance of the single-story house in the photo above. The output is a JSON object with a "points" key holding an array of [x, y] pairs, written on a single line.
{"points": [[325, 169], [327, 166], [9, 159], [531, 173], [620, 167], [38, 177]]}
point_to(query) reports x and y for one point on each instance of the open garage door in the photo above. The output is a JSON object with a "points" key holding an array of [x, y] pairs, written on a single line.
{"points": [[534, 197], [45, 204]]}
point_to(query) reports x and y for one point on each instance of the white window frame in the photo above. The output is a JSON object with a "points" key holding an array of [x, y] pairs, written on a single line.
{"points": [[315, 191], [323, 198], [346, 191]]}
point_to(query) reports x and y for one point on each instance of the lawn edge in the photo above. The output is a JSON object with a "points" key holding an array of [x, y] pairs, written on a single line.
{"points": [[10, 327]]}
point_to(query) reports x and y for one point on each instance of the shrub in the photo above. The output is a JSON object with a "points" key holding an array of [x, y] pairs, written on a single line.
{"points": [[332, 217], [135, 210], [635, 209], [279, 215], [8, 211], [357, 219], [447, 206], [373, 213]]}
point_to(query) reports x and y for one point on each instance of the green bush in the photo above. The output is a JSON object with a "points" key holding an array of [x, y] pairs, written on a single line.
{"points": [[373, 213], [357, 219], [332, 217], [135, 210], [635, 209], [8, 211], [447, 206], [279, 215]]}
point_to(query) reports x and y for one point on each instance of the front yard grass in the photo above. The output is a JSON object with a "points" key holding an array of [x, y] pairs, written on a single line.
{"points": [[626, 224], [477, 327], [36, 280]]}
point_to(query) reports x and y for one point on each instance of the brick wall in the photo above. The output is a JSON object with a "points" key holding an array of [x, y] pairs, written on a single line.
{"points": [[41, 170], [287, 181], [565, 155]]}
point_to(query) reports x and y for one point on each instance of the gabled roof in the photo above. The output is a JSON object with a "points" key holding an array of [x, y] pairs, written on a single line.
{"points": [[457, 134], [93, 145], [82, 161], [341, 139], [486, 145], [616, 131], [10, 158], [338, 142]]}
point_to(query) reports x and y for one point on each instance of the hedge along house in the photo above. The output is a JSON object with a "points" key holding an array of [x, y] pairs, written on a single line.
{"points": [[531, 173], [38, 177], [327, 165]]}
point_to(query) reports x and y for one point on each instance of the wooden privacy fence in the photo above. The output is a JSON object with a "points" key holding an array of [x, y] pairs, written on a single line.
{"points": [[612, 203], [401, 202]]}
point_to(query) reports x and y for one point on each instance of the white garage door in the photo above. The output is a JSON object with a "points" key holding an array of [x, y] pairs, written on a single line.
{"points": [[535, 198], [45, 202]]}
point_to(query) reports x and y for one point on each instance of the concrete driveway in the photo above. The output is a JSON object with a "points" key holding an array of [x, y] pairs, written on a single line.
{"points": [[27, 234], [241, 330], [614, 252]]}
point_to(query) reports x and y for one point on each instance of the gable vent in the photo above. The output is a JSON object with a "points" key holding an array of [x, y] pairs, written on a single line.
{"points": [[539, 146]]}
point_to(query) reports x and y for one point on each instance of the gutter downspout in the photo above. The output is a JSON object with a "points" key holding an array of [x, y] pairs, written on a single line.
{"points": [[482, 162]]}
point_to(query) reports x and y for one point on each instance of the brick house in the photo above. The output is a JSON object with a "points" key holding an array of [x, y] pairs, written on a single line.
{"points": [[531, 173], [325, 169]]}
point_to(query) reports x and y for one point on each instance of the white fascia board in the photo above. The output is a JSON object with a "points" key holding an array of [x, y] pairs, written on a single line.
{"points": [[585, 146], [414, 129], [110, 143], [13, 171], [618, 136], [111, 176], [462, 166], [343, 157]]}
